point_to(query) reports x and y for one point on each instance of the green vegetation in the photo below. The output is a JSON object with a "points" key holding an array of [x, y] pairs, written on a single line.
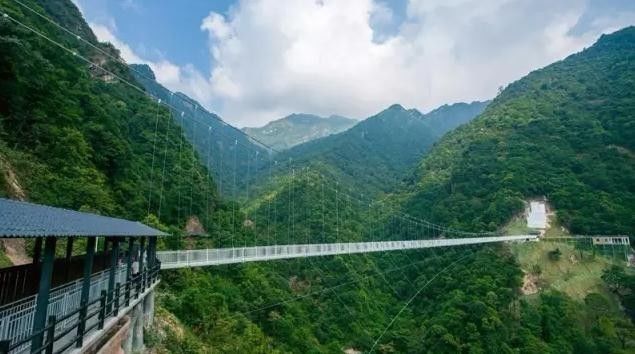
{"points": [[375, 155], [73, 136], [564, 132], [76, 137], [4, 261], [621, 284], [577, 272], [230, 156]]}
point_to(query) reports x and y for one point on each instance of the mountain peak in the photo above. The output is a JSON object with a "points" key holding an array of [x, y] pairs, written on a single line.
{"points": [[298, 128], [396, 106]]}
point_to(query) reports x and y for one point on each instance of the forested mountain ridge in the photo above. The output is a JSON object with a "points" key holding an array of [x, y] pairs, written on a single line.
{"points": [[565, 132], [74, 135], [299, 128], [374, 155], [224, 147]]}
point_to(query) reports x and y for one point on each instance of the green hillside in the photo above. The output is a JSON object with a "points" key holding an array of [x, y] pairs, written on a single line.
{"points": [[230, 155], [377, 153], [75, 136], [299, 128], [565, 132]]}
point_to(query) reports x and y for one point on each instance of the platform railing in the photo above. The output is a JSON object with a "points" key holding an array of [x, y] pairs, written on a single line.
{"points": [[68, 320], [16, 319]]}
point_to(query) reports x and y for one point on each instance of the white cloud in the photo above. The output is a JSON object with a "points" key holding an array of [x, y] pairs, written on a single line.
{"points": [[270, 58], [274, 57]]}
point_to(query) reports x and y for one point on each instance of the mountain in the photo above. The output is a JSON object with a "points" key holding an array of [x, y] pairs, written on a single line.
{"points": [[227, 152], [73, 135], [299, 128], [565, 132], [378, 152], [76, 136]]}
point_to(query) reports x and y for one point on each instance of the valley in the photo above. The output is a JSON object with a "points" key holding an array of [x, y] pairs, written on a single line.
{"points": [[88, 131]]}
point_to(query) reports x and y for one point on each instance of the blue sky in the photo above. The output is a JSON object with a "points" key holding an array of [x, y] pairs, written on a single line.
{"points": [[252, 61], [159, 29]]}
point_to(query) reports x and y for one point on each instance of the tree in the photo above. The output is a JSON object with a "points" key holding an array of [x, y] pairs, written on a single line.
{"points": [[555, 254], [615, 278]]}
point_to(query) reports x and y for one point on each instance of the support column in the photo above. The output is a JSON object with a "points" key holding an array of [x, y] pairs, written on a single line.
{"points": [[37, 250], [129, 260], [142, 250], [148, 309], [127, 343], [137, 329], [42, 302], [114, 256], [88, 272], [68, 256], [152, 258], [105, 254], [152, 248], [128, 288], [69, 248]]}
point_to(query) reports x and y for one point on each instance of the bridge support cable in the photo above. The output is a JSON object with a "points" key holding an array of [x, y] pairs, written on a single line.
{"points": [[76, 55], [165, 155], [154, 149], [169, 104], [317, 266]]}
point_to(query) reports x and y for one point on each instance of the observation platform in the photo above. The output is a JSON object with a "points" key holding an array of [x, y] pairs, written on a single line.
{"points": [[57, 305]]}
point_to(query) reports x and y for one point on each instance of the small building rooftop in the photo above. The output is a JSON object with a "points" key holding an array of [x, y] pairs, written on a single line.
{"points": [[21, 219]]}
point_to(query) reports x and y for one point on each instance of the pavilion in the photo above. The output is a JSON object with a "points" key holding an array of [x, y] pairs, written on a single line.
{"points": [[52, 304]]}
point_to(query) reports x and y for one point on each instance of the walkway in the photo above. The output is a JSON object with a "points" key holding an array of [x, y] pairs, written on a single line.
{"points": [[218, 256]]}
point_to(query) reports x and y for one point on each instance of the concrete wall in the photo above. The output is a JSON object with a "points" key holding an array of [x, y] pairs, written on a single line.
{"points": [[114, 345], [113, 340]]}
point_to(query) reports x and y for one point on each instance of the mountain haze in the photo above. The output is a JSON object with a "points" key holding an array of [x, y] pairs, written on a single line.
{"points": [[298, 128]]}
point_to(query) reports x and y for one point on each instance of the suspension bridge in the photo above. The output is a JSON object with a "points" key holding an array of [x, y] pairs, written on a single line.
{"points": [[58, 315], [78, 303], [212, 257]]}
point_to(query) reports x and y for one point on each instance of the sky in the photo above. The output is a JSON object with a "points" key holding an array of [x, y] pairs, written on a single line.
{"points": [[253, 61]]}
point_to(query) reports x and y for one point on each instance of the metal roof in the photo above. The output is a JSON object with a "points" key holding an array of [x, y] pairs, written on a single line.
{"points": [[22, 219]]}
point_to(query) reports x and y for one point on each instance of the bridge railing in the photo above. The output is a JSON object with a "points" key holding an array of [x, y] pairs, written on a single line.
{"points": [[16, 319], [218, 256], [66, 316]]}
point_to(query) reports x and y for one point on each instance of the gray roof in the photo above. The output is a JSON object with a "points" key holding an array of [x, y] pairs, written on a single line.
{"points": [[22, 219]]}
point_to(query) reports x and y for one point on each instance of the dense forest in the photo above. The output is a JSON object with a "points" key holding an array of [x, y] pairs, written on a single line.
{"points": [[375, 155], [565, 132], [230, 155], [75, 135]]}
